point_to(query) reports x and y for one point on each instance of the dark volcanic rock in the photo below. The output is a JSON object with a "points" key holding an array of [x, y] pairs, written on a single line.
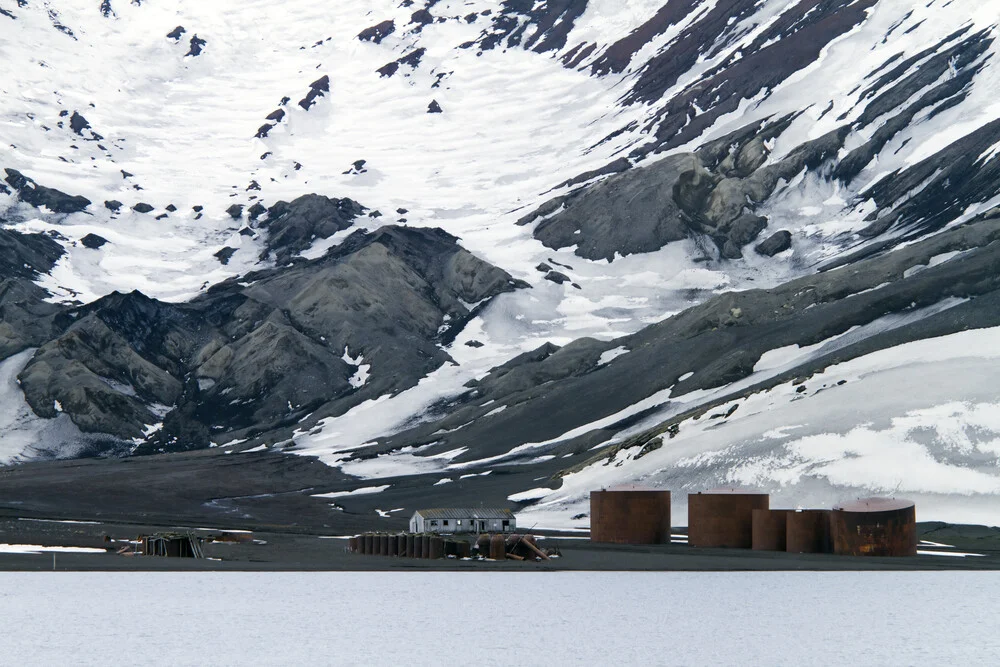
{"points": [[317, 89], [225, 254], [256, 211], [262, 351], [629, 213], [196, 46], [780, 241], [540, 27], [557, 277], [434, 107], [78, 123], [555, 390], [235, 211], [39, 195], [294, 226], [176, 33], [113, 205], [93, 241], [142, 207], [378, 32]]}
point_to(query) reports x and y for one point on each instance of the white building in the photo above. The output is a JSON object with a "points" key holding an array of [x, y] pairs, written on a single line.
{"points": [[463, 520]]}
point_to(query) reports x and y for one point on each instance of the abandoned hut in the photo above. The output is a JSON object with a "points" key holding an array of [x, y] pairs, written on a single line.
{"points": [[463, 520]]}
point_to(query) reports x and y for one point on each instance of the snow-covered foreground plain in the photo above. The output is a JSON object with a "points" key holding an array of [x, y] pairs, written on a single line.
{"points": [[577, 618]]}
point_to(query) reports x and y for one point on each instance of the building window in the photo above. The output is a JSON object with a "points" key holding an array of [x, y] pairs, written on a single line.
{"points": [[446, 523], [506, 525], [434, 524]]}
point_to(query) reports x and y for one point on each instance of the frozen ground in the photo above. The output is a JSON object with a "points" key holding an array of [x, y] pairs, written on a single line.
{"points": [[588, 618]]}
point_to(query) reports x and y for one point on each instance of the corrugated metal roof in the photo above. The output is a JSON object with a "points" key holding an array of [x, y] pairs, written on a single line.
{"points": [[467, 513]]}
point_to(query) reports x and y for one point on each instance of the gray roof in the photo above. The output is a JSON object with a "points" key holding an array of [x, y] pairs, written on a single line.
{"points": [[466, 513]]}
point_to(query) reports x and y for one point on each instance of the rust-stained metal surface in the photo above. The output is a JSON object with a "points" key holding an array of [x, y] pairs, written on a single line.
{"points": [[498, 547], [393, 545], [383, 545], [630, 515], [411, 549], [724, 517], [464, 549], [369, 541], [768, 529], [425, 546], [437, 548], [808, 532], [875, 527], [352, 544]]}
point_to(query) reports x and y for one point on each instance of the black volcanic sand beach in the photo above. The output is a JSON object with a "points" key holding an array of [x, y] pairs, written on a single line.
{"points": [[104, 503]]}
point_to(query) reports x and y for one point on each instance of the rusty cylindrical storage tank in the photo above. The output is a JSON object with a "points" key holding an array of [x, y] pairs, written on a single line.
{"points": [[808, 532], [464, 549], [411, 549], [393, 545], [401, 545], [498, 547], [875, 527], [768, 530], [724, 517], [383, 545], [369, 544], [352, 544], [418, 546], [425, 546], [630, 515], [437, 547], [483, 544]]}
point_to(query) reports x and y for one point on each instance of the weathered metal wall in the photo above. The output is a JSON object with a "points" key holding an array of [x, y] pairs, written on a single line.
{"points": [[723, 518], [630, 516], [498, 547], [808, 532], [436, 547], [875, 527], [425, 546], [768, 529]]}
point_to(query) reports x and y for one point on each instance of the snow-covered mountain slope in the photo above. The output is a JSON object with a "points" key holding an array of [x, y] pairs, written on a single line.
{"points": [[677, 183]]}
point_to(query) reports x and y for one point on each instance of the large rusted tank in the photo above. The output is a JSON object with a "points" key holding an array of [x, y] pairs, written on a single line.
{"points": [[425, 546], [724, 517], [630, 515], [498, 547], [464, 549], [383, 545], [437, 547], [352, 544], [768, 530], [411, 548], [418, 546], [401, 545], [483, 544], [393, 545], [808, 532], [875, 527], [369, 544]]}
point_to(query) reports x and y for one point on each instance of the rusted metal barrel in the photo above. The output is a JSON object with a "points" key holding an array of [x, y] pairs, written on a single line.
{"points": [[464, 549], [425, 546], [723, 517], [808, 532], [418, 545], [483, 544], [498, 547], [769, 530], [875, 527], [352, 544], [630, 515], [436, 547], [411, 549], [450, 548]]}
